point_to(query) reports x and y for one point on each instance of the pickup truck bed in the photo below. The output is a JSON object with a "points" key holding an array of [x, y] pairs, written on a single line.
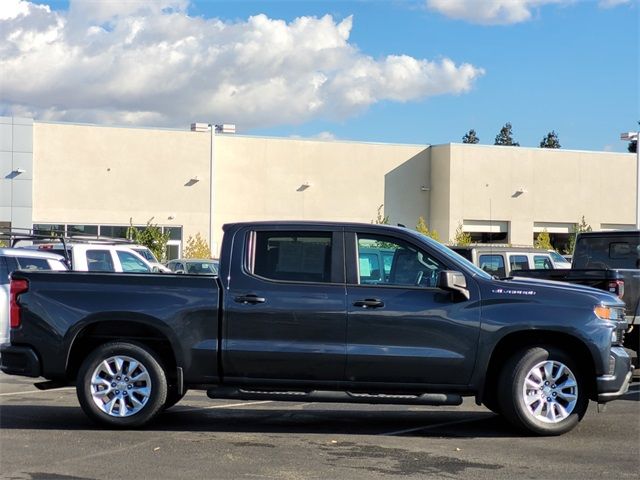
{"points": [[304, 310]]}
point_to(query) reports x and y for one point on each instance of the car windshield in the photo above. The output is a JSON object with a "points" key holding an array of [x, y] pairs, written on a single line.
{"points": [[202, 268], [556, 257], [147, 254]]}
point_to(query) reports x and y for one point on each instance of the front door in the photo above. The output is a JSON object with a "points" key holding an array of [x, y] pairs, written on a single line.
{"points": [[401, 328], [285, 310]]}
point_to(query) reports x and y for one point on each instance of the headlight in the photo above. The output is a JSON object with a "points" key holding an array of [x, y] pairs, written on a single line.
{"points": [[609, 313]]}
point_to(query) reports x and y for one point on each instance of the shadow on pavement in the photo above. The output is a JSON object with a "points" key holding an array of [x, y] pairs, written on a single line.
{"points": [[454, 424]]}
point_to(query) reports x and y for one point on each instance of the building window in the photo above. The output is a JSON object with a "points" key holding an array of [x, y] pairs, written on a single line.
{"points": [[91, 230], [487, 231], [48, 229]]}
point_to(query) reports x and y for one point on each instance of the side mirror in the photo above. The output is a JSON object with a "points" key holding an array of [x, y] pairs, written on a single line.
{"points": [[155, 269], [453, 281]]}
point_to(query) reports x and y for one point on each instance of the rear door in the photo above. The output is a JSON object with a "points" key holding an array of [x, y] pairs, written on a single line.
{"points": [[403, 329], [285, 307]]}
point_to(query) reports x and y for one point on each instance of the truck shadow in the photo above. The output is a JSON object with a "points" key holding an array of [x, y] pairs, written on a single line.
{"points": [[453, 424]]}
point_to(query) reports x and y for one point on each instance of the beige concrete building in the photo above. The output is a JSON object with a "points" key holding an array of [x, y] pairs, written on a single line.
{"points": [[94, 179]]}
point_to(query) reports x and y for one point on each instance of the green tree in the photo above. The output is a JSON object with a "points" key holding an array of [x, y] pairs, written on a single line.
{"points": [[550, 140], [470, 137], [197, 247], [580, 227], [422, 228], [461, 238], [505, 137], [381, 219], [150, 236], [543, 240]]}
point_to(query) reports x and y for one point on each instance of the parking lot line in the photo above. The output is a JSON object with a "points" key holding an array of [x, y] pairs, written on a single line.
{"points": [[230, 405], [28, 392], [428, 427]]}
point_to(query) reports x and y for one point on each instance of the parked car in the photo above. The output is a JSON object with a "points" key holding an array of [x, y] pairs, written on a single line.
{"points": [[98, 257], [12, 259], [291, 317], [193, 266], [503, 261]]}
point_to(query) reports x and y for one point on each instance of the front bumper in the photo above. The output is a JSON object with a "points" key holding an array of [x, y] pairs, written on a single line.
{"points": [[616, 383], [15, 360]]}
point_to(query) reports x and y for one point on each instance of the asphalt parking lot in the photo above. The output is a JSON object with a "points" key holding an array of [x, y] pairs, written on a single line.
{"points": [[45, 435]]}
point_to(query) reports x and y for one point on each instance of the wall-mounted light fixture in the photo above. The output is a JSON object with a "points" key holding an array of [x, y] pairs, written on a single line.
{"points": [[192, 181], [424, 188], [171, 216], [519, 192], [303, 187], [18, 171]]}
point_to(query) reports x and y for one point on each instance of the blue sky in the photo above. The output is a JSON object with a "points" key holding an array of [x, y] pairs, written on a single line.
{"points": [[568, 66]]}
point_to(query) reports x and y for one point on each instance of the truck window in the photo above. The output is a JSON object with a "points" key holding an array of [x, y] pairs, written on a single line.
{"points": [[518, 262], [541, 262], [407, 265], [293, 256], [493, 265], [99, 261]]}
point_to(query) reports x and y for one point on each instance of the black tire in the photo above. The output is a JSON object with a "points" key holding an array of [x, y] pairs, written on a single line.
{"points": [[173, 397], [552, 408], [110, 397]]}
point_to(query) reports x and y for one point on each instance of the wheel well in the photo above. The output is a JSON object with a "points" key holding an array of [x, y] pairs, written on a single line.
{"points": [[522, 340], [103, 332]]}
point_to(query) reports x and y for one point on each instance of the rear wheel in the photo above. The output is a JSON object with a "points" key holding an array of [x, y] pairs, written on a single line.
{"points": [[542, 391], [121, 385]]}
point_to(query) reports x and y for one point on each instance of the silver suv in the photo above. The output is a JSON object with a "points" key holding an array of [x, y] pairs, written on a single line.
{"points": [[20, 259]]}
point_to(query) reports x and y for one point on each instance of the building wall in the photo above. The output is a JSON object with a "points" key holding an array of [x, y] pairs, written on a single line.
{"points": [[103, 175], [16, 171], [264, 178], [558, 188]]}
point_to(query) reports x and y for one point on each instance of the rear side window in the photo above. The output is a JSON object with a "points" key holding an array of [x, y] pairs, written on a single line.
{"points": [[26, 263], [518, 262], [493, 265], [293, 256], [99, 261], [540, 262]]}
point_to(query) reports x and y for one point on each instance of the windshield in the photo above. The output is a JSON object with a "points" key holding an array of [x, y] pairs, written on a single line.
{"points": [[202, 268], [147, 254], [556, 257]]}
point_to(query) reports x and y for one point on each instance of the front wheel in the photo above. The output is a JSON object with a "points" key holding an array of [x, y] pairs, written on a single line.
{"points": [[542, 391], [121, 385]]}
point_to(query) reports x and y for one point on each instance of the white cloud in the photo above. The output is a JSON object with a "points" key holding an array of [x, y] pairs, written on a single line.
{"points": [[148, 62], [491, 12]]}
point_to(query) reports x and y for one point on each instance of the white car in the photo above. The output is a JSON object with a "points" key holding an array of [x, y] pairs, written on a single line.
{"points": [[12, 259], [98, 257]]}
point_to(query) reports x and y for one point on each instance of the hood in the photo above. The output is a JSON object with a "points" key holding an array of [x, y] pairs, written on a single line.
{"points": [[599, 296]]}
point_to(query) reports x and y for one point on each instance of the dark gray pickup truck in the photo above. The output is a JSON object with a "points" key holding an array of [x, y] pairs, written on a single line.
{"points": [[322, 312]]}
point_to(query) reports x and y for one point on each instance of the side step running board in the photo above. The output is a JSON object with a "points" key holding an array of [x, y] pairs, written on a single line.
{"points": [[337, 397]]}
